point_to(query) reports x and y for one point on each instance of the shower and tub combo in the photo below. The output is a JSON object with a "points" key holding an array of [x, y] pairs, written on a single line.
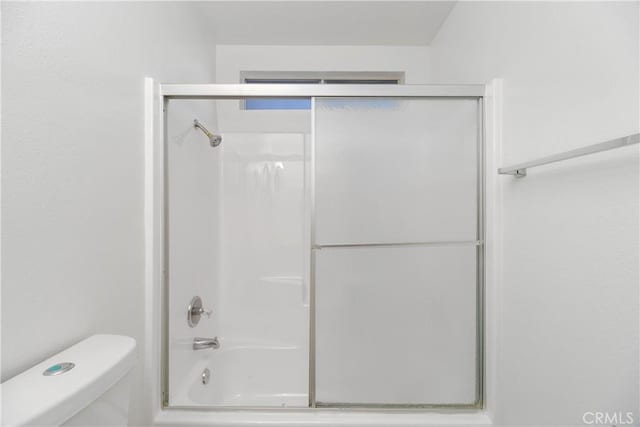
{"points": [[320, 258]]}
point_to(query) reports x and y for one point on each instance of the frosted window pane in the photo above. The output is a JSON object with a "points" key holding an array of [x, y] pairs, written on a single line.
{"points": [[396, 325], [395, 170]]}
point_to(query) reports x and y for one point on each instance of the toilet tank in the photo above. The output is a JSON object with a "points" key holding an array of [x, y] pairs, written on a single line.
{"points": [[92, 392]]}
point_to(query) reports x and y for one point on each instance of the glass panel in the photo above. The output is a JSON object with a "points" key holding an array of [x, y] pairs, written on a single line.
{"points": [[396, 325], [237, 236], [395, 170]]}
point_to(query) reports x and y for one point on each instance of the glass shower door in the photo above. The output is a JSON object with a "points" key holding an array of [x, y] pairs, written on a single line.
{"points": [[340, 250], [237, 234], [397, 249]]}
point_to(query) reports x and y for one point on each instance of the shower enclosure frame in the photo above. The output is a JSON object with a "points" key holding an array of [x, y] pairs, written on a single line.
{"points": [[156, 231]]}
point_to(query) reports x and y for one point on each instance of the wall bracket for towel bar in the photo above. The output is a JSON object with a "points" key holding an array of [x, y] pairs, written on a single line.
{"points": [[520, 170]]}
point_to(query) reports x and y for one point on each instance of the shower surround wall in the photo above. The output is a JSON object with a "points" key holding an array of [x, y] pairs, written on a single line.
{"points": [[193, 217], [569, 291], [265, 284]]}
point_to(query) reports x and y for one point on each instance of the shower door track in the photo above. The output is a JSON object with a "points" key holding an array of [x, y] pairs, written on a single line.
{"points": [[167, 92]]}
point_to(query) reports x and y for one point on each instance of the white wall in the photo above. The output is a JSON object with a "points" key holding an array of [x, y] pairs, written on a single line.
{"points": [[72, 166], [569, 290]]}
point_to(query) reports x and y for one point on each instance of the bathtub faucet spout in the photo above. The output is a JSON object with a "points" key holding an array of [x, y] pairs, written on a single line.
{"points": [[205, 343]]}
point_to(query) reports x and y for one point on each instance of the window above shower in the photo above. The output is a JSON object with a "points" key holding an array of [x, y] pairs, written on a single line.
{"points": [[308, 77]]}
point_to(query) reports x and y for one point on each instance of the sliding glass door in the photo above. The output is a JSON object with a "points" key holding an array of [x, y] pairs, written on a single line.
{"points": [[396, 248]]}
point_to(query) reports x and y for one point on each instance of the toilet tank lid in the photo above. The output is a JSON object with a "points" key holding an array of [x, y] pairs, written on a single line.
{"points": [[32, 398]]}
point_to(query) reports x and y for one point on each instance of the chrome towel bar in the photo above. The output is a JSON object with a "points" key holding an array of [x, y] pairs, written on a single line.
{"points": [[520, 170]]}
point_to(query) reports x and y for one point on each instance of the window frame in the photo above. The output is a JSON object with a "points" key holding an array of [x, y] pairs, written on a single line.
{"points": [[315, 77]]}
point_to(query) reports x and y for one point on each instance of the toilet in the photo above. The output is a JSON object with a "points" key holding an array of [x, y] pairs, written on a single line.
{"points": [[87, 384]]}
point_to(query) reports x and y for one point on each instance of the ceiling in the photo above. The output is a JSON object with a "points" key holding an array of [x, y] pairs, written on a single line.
{"points": [[386, 23]]}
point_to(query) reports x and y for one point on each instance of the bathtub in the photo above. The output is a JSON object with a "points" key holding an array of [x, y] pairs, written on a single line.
{"points": [[242, 375], [227, 389]]}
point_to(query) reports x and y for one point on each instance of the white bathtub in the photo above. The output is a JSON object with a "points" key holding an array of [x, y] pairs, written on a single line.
{"points": [[238, 378], [244, 376]]}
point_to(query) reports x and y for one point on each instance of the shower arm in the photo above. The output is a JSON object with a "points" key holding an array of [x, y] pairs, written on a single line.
{"points": [[214, 140]]}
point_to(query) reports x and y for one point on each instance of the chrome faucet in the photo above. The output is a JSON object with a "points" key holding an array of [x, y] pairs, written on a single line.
{"points": [[205, 343]]}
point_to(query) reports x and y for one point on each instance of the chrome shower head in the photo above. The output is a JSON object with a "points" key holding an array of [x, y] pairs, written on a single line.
{"points": [[214, 140]]}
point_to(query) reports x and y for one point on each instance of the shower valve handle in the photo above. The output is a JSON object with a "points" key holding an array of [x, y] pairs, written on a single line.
{"points": [[195, 311], [201, 311]]}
